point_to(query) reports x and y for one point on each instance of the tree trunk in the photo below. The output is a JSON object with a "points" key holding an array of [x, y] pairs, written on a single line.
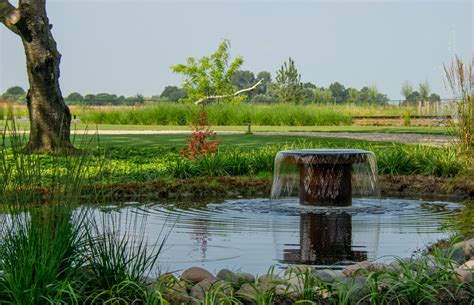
{"points": [[50, 118]]}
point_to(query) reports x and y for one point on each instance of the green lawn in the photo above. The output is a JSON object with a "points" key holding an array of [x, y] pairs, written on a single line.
{"points": [[178, 141], [368, 129], [354, 128]]}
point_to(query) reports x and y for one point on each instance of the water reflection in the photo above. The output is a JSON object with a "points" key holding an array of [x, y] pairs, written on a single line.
{"points": [[253, 234], [324, 240], [201, 236]]}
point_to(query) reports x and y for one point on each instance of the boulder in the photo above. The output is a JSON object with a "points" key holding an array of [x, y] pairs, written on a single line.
{"points": [[329, 275], [298, 269], [469, 265], [225, 274], [296, 283], [244, 277], [377, 267], [469, 248], [463, 275], [199, 290], [396, 265], [247, 291], [286, 292], [195, 275], [177, 294], [456, 255], [270, 280], [350, 270]]}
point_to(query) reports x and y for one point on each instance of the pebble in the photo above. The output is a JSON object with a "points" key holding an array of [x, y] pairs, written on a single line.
{"points": [[195, 275]]}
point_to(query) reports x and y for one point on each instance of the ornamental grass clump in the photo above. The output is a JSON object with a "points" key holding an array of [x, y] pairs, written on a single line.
{"points": [[40, 246], [458, 77], [54, 252]]}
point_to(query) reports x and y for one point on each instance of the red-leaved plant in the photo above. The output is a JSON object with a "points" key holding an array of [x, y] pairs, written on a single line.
{"points": [[203, 139]]}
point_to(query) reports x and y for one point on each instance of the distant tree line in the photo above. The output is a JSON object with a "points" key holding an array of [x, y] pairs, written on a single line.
{"points": [[104, 99], [287, 87], [423, 94], [15, 93], [18, 94]]}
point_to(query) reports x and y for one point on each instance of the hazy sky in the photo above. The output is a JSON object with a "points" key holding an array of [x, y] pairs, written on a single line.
{"points": [[127, 47]]}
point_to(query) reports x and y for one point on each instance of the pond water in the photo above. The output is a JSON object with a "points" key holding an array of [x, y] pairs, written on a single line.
{"points": [[253, 234]]}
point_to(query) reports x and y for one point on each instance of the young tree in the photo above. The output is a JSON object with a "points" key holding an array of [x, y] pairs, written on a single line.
{"points": [[288, 84], [210, 78], [50, 118], [353, 95], [406, 90], [425, 90]]}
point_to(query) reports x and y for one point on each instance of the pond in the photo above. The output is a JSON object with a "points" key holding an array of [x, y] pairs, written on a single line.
{"points": [[253, 234]]}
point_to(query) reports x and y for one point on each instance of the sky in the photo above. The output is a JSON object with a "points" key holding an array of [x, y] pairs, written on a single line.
{"points": [[127, 47]]}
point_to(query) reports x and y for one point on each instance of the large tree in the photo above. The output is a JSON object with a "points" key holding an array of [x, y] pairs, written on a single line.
{"points": [[50, 118]]}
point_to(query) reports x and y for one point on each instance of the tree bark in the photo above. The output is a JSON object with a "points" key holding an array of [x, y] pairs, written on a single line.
{"points": [[50, 118]]}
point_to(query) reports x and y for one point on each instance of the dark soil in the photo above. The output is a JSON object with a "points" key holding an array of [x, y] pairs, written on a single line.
{"points": [[414, 187]]}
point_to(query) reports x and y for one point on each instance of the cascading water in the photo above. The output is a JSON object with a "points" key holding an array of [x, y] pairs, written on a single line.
{"points": [[325, 177]]}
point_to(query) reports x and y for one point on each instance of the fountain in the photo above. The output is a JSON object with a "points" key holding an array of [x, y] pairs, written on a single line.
{"points": [[325, 177]]}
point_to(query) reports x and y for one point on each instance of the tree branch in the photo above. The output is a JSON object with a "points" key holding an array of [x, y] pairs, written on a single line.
{"points": [[9, 16], [215, 97]]}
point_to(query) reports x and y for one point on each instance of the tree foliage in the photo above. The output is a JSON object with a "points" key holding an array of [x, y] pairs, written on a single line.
{"points": [[210, 76], [406, 90], [338, 92], [174, 94], [289, 88], [425, 90], [15, 93], [74, 98]]}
